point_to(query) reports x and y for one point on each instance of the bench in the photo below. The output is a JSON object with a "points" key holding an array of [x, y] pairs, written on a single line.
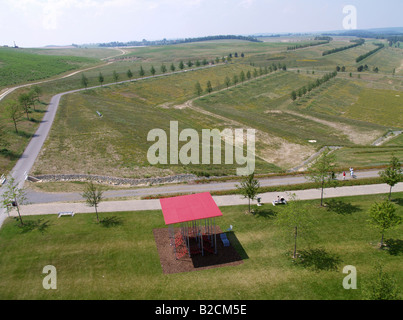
{"points": [[224, 239], [66, 213]]}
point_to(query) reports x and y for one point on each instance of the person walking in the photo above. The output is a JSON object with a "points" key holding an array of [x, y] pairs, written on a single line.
{"points": [[344, 175]]}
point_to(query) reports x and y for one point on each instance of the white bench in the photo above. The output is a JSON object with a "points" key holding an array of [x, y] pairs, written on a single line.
{"points": [[66, 213]]}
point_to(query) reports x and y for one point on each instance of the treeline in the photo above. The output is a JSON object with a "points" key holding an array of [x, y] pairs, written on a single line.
{"points": [[394, 39], [366, 55], [312, 85], [306, 45], [356, 44], [325, 38], [145, 42]]}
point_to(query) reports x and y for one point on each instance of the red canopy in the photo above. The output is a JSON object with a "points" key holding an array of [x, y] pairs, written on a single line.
{"points": [[188, 208]]}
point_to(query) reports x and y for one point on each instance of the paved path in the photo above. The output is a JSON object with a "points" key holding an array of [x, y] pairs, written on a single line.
{"points": [[229, 200], [35, 197]]}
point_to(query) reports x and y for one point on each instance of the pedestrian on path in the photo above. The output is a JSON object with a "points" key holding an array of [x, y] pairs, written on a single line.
{"points": [[344, 175]]}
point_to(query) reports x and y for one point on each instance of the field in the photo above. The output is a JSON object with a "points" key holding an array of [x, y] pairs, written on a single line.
{"points": [[351, 111], [18, 66], [119, 260]]}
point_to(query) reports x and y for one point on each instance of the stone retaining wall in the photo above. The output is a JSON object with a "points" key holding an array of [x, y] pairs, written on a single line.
{"points": [[116, 181]]}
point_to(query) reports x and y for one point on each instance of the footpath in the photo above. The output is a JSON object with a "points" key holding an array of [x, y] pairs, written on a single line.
{"points": [[227, 200]]}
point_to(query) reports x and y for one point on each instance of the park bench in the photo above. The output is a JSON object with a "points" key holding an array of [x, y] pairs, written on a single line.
{"points": [[66, 213], [224, 239]]}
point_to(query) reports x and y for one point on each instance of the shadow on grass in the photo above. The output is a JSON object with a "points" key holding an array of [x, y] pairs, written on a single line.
{"points": [[110, 222], [31, 225], [10, 154], [394, 246], [265, 212], [318, 259], [340, 207], [398, 201], [237, 245]]}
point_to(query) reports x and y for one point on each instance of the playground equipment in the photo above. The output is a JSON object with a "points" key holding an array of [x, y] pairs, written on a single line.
{"points": [[191, 223]]}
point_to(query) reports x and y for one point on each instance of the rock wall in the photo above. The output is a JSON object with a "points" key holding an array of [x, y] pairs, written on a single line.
{"points": [[116, 181]]}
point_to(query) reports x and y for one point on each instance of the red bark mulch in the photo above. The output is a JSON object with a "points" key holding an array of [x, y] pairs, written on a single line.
{"points": [[226, 256]]}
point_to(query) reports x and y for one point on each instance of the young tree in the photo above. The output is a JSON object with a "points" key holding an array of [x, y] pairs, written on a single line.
{"points": [[181, 65], [163, 68], [248, 75], [189, 63], [152, 70], [209, 87], [172, 67], [13, 196], [93, 196], [14, 112], [129, 74], [383, 217], [101, 78], [142, 72], [294, 216], [242, 76], [198, 88], [227, 81], [392, 174], [381, 287], [84, 81], [322, 171], [249, 188], [115, 76], [25, 101], [38, 92], [293, 95], [235, 79]]}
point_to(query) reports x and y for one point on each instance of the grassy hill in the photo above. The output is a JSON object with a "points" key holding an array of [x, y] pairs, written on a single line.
{"points": [[18, 66]]}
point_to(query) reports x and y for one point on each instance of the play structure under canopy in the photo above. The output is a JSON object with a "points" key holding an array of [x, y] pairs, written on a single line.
{"points": [[191, 222]]}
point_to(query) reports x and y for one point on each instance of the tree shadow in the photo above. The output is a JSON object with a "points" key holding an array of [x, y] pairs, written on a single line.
{"points": [[394, 246], [265, 212], [318, 259], [398, 201], [10, 154], [109, 222], [31, 225], [340, 207]]}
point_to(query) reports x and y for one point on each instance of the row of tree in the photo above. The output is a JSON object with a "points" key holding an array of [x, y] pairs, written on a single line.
{"points": [[365, 67], [16, 109], [312, 85], [145, 42], [356, 44], [366, 55], [243, 76], [163, 69], [311, 44]]}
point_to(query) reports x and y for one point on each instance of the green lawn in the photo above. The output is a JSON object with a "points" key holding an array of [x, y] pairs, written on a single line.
{"points": [[121, 262]]}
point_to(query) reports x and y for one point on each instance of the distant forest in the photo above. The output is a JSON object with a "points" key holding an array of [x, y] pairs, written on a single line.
{"points": [[145, 42]]}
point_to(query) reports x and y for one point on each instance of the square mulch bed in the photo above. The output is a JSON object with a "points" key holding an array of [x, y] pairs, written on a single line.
{"points": [[226, 256]]}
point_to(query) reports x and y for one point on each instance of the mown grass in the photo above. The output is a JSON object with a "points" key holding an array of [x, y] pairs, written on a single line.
{"points": [[122, 262]]}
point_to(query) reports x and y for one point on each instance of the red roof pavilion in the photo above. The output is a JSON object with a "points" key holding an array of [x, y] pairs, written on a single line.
{"points": [[189, 208]]}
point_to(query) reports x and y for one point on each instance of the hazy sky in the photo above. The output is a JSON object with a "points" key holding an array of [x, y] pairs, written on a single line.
{"points": [[33, 23]]}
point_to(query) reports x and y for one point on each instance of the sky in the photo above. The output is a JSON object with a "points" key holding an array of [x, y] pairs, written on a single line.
{"points": [[37, 23]]}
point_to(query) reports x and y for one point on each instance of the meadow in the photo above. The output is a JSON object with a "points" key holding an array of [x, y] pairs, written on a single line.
{"points": [[351, 110], [118, 259], [18, 66]]}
